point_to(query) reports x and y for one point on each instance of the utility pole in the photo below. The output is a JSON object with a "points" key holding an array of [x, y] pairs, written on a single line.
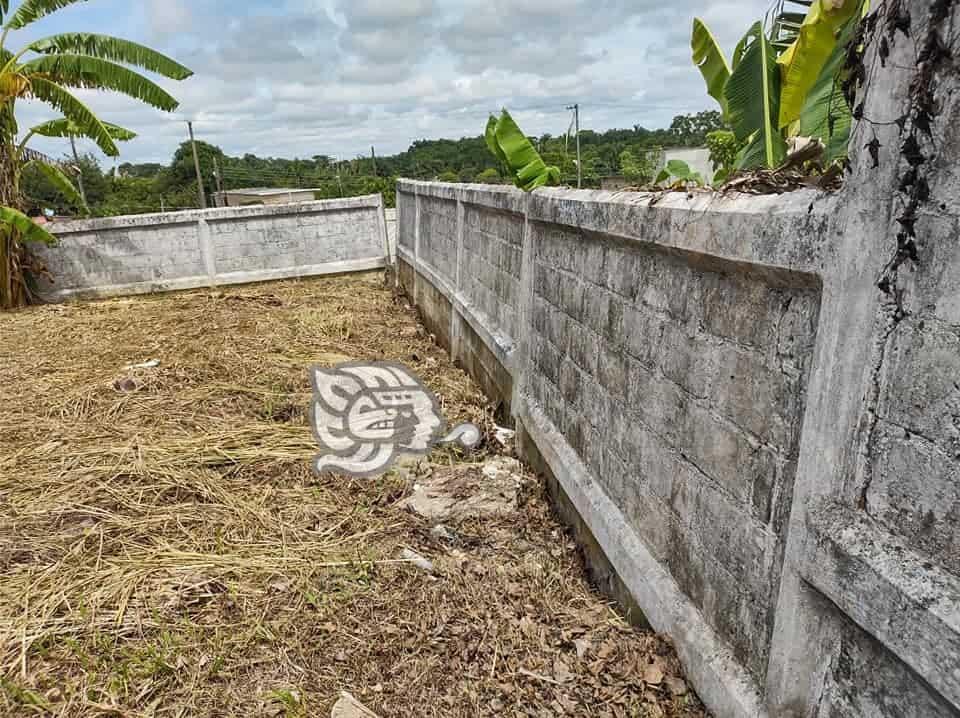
{"points": [[216, 175], [76, 163], [219, 181], [576, 119], [339, 178], [196, 165], [373, 156]]}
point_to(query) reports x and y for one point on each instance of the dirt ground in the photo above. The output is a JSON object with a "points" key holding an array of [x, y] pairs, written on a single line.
{"points": [[166, 550]]}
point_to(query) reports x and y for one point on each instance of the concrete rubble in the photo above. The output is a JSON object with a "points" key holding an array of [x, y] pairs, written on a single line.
{"points": [[467, 491], [416, 559], [349, 707]]}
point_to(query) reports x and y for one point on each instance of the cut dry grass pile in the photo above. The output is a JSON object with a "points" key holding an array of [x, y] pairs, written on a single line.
{"points": [[165, 549]]}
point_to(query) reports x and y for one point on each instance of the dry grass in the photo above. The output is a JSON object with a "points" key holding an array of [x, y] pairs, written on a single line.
{"points": [[165, 549]]}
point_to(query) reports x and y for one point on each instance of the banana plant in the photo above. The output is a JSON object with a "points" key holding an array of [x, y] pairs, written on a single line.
{"points": [[711, 61], [803, 61], [48, 70], [825, 113], [65, 128], [518, 155], [753, 101], [747, 90], [55, 176], [28, 229], [68, 129], [766, 98]]}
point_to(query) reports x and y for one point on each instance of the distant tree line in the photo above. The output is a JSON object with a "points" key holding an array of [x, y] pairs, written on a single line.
{"points": [[152, 187]]}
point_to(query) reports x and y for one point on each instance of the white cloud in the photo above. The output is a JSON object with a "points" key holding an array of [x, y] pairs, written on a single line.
{"points": [[306, 77], [168, 17]]}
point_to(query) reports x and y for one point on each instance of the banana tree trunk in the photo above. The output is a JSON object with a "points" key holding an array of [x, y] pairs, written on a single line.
{"points": [[13, 288]]}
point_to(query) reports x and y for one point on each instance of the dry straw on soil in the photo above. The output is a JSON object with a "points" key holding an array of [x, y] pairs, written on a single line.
{"points": [[165, 549]]}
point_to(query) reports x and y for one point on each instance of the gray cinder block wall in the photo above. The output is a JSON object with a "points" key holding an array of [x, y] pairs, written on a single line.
{"points": [[392, 230], [761, 445], [183, 250]]}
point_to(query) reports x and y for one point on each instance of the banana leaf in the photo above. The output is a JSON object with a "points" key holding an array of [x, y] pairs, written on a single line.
{"points": [[825, 112], [491, 137], [739, 50], [32, 10], [67, 128], [28, 230], [517, 153], [753, 102], [59, 180], [709, 58], [802, 63]]}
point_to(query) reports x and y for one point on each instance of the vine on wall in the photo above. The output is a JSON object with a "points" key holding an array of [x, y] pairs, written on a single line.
{"points": [[888, 24]]}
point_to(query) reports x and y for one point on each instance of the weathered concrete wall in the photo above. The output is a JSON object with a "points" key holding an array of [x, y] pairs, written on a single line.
{"points": [[759, 443], [392, 230], [682, 386], [653, 362], [182, 250]]}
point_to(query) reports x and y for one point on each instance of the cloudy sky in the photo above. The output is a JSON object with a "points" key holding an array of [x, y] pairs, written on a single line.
{"points": [[297, 78]]}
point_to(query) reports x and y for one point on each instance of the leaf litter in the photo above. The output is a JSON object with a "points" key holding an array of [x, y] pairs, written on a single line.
{"points": [[166, 549]]}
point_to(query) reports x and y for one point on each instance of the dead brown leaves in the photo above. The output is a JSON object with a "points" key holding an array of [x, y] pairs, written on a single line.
{"points": [[166, 550]]}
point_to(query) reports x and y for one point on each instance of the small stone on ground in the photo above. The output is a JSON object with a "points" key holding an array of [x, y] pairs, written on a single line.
{"points": [[349, 707]]}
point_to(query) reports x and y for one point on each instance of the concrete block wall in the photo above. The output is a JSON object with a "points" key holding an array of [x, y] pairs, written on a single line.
{"points": [[492, 253], [665, 386], [438, 220], [682, 387], [392, 230], [182, 250], [760, 445]]}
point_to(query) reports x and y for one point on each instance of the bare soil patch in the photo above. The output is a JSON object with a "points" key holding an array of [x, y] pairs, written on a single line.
{"points": [[165, 549]]}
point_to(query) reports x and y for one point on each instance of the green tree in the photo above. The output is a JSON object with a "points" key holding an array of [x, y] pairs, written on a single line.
{"points": [[47, 70], [182, 170], [144, 170], [636, 169], [489, 176], [724, 149], [465, 159], [39, 192], [692, 130]]}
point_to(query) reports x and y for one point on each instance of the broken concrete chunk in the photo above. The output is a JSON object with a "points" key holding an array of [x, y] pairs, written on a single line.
{"points": [[350, 707], [457, 492], [417, 560], [442, 533], [152, 364], [503, 467], [504, 436]]}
